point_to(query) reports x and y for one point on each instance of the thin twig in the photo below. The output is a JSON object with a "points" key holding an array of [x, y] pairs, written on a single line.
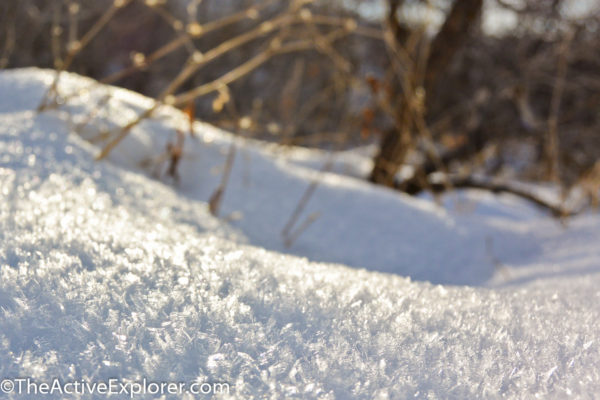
{"points": [[214, 204], [305, 198], [293, 236], [76, 47]]}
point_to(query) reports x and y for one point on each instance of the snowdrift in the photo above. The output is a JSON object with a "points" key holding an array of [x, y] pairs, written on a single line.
{"points": [[108, 273]]}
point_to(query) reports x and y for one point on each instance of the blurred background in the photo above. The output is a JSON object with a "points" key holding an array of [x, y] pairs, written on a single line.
{"points": [[444, 94]]}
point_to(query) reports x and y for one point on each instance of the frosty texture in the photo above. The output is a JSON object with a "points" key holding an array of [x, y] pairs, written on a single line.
{"points": [[107, 273]]}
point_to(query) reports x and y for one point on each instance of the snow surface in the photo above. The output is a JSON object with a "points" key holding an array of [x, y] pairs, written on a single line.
{"points": [[106, 272]]}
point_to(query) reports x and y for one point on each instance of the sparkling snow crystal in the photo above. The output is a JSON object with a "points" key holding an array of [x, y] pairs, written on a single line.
{"points": [[106, 273]]}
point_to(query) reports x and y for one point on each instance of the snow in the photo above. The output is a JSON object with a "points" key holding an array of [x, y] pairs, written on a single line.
{"points": [[107, 272]]}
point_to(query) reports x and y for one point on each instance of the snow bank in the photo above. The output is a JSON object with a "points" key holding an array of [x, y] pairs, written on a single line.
{"points": [[106, 273], [357, 225]]}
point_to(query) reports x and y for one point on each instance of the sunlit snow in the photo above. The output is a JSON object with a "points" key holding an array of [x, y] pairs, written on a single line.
{"points": [[107, 272]]}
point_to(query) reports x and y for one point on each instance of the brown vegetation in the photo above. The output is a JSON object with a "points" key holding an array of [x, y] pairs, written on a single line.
{"points": [[455, 103]]}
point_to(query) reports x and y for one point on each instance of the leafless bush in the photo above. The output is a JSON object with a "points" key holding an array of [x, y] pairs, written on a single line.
{"points": [[460, 100], [307, 90], [449, 98]]}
